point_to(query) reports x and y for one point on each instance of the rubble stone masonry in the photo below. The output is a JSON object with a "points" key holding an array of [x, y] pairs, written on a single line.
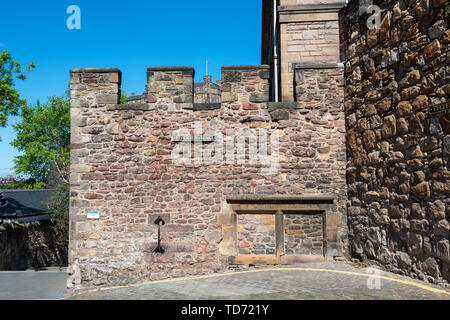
{"points": [[397, 147], [122, 167], [361, 165]]}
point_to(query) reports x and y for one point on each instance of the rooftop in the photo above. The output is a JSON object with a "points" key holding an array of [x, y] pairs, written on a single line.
{"points": [[24, 205]]}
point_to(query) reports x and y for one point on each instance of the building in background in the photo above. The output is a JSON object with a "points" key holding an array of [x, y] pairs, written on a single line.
{"points": [[207, 92], [296, 32], [26, 234]]}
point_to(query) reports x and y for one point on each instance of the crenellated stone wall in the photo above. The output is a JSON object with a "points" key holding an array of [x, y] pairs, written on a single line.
{"points": [[397, 146], [123, 167]]}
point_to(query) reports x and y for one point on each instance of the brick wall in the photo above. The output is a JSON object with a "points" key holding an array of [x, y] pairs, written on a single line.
{"points": [[398, 178]]}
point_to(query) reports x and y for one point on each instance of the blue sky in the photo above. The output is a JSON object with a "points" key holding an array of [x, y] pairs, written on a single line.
{"points": [[129, 35]]}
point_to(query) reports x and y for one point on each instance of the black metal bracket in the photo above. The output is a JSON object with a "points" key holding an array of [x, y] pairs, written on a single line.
{"points": [[160, 222]]}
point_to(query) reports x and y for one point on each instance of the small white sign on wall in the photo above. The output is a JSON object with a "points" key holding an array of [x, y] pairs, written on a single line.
{"points": [[93, 215]]}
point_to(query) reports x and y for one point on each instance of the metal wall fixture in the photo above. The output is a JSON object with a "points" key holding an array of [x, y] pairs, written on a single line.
{"points": [[160, 222]]}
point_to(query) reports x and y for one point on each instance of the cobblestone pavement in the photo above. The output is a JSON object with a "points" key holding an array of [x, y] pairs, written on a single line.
{"points": [[316, 281], [28, 285]]}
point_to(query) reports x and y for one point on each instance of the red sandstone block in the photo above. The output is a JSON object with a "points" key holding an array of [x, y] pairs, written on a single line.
{"points": [[250, 106], [179, 228], [92, 176]]}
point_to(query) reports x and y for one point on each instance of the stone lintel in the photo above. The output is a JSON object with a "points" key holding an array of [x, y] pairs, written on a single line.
{"points": [[293, 14], [95, 70], [247, 67], [312, 8], [317, 65], [272, 208], [281, 199]]}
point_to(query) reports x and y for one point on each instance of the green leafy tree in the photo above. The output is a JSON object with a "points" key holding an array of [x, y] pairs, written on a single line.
{"points": [[123, 97], [43, 138], [10, 101], [60, 222]]}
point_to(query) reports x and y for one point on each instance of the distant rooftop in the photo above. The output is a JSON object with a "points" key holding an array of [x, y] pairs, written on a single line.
{"points": [[24, 205]]}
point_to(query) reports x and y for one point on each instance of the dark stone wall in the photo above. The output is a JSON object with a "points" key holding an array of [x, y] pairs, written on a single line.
{"points": [[397, 174], [18, 244]]}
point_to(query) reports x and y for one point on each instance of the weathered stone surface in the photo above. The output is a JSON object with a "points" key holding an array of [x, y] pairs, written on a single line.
{"points": [[422, 7], [437, 29], [446, 36], [410, 93], [404, 108], [417, 122], [402, 165], [124, 166], [389, 128], [385, 28], [432, 51], [420, 103], [410, 79], [18, 245], [421, 191], [278, 115], [107, 99], [395, 212]]}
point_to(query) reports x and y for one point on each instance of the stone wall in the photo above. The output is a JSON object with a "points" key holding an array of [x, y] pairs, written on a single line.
{"points": [[18, 247], [123, 167], [397, 174], [304, 234], [256, 234]]}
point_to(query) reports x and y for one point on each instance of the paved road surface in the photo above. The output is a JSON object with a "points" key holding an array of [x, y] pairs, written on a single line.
{"points": [[312, 281], [28, 285], [306, 282]]}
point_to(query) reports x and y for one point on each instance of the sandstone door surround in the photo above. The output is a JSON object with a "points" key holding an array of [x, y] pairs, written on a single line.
{"points": [[280, 206]]}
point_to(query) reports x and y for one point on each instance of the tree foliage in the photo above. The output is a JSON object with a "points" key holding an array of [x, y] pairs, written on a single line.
{"points": [[43, 138], [10, 101], [60, 221], [123, 97]]}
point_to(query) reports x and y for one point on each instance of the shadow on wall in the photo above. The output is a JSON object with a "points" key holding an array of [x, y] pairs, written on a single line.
{"points": [[29, 246]]}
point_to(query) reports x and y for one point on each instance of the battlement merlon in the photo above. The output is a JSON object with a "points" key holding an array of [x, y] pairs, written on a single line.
{"points": [[246, 88], [167, 85], [94, 87]]}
